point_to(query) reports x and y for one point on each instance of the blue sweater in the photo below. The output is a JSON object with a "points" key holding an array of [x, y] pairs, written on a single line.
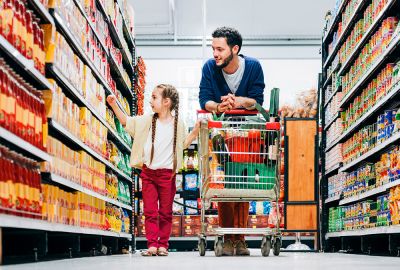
{"points": [[213, 85]]}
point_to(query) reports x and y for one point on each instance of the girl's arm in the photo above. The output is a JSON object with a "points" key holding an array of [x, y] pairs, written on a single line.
{"points": [[112, 101], [193, 134]]}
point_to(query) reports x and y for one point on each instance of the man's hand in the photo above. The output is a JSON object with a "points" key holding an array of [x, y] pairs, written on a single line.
{"points": [[227, 103]]}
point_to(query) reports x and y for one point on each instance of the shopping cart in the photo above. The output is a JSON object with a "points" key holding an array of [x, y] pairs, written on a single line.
{"points": [[239, 162]]}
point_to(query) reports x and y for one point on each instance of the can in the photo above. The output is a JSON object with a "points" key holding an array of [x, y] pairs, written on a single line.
{"points": [[388, 117]]}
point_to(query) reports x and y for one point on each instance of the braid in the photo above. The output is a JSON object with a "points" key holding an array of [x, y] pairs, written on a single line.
{"points": [[153, 134], [175, 134]]}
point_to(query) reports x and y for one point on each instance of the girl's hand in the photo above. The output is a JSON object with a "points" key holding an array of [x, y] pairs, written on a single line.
{"points": [[112, 100]]}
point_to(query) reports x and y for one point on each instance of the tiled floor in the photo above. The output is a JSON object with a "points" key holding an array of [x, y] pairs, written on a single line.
{"points": [[192, 261]]}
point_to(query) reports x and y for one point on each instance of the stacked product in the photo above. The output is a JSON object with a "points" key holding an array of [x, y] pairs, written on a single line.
{"points": [[19, 185], [334, 157], [22, 109]]}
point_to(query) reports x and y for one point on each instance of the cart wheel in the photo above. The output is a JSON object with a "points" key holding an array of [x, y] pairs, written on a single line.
{"points": [[277, 246], [218, 247], [202, 246], [266, 246]]}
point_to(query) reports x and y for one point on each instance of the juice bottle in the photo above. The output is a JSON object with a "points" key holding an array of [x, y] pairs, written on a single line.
{"points": [[3, 98], [7, 20], [35, 55], [42, 53], [18, 112], [31, 122], [11, 104], [29, 34], [16, 30], [23, 31]]}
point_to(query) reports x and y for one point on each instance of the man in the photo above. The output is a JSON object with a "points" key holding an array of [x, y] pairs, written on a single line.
{"points": [[231, 81]]}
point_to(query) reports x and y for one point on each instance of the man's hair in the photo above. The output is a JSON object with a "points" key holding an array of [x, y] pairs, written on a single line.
{"points": [[232, 36]]}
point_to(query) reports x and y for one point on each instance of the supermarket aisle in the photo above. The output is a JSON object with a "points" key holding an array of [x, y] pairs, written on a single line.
{"points": [[192, 261]]}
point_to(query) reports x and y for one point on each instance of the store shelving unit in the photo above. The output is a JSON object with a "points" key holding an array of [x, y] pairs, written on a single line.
{"points": [[358, 240], [12, 224]]}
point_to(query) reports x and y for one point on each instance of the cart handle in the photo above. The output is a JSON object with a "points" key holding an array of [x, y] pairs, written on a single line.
{"points": [[268, 125], [232, 112]]}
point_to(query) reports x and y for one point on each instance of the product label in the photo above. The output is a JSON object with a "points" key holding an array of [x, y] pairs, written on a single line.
{"points": [[19, 114], [10, 105], [38, 124], [3, 106], [25, 118], [29, 46]]}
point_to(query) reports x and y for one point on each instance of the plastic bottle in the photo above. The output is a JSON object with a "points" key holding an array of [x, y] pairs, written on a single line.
{"points": [[29, 35]]}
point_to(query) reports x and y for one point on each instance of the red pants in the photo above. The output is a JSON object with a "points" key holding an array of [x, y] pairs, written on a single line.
{"points": [[158, 195], [233, 215]]}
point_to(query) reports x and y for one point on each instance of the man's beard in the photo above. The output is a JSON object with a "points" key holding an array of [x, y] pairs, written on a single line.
{"points": [[226, 61]]}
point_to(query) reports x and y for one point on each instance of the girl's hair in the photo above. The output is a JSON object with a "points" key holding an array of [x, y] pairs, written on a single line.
{"points": [[168, 91]]}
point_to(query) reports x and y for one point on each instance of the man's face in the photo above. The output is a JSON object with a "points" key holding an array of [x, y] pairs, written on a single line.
{"points": [[223, 54]]}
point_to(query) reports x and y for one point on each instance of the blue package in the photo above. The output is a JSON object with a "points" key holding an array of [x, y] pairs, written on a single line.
{"points": [[252, 208], [267, 208], [191, 181], [190, 211]]}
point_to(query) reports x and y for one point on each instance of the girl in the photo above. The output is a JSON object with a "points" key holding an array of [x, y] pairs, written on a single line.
{"points": [[158, 143]]}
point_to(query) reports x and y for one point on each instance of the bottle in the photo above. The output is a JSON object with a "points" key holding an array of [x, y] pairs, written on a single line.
{"points": [[35, 55], [11, 103], [3, 98], [7, 21], [29, 35], [23, 32], [42, 53], [16, 30]]}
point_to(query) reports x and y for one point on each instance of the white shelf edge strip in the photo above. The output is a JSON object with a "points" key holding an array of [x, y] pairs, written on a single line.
{"points": [[374, 150], [87, 191], [21, 143], [332, 199], [369, 193], [335, 19], [28, 65], [368, 73], [343, 31], [369, 231], [83, 56], [366, 35], [88, 149], [35, 224], [87, 105], [373, 109]]}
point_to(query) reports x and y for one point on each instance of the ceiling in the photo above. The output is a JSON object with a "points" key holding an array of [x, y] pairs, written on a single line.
{"points": [[255, 19]]}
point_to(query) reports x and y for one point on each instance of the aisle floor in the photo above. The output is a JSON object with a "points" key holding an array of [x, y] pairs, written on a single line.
{"points": [[192, 261]]}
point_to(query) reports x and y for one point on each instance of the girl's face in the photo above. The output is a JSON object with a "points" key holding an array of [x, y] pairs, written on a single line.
{"points": [[157, 102]]}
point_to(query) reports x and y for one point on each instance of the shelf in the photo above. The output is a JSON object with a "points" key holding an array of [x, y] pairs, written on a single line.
{"points": [[115, 36], [77, 187], [80, 99], [27, 147], [83, 12], [366, 36], [395, 90], [78, 49], [394, 43], [42, 11], [370, 231], [211, 238], [335, 20], [330, 146], [331, 97], [380, 147], [332, 121], [333, 199], [345, 32], [119, 78], [369, 193], [89, 150], [126, 29], [26, 65], [35, 224], [331, 170]]}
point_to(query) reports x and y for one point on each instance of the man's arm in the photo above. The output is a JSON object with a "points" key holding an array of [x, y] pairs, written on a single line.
{"points": [[256, 89]]}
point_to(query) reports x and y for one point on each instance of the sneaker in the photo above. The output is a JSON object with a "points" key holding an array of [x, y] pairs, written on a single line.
{"points": [[241, 248], [228, 249]]}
